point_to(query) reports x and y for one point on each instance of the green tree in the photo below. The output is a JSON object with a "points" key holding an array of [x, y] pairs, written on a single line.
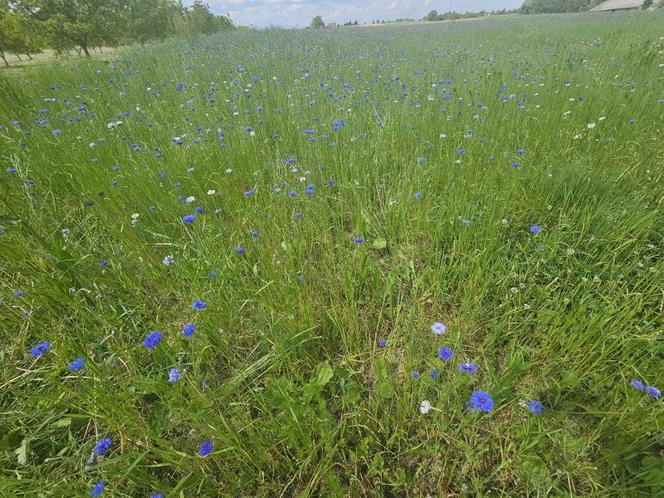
{"points": [[432, 16], [317, 23], [149, 19], [16, 36]]}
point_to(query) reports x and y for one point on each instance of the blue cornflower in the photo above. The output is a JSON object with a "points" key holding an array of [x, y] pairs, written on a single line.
{"points": [[358, 240], [421, 160], [292, 193], [632, 121], [434, 374], [309, 190], [250, 192], [103, 263], [97, 489], [11, 170], [212, 274], [173, 375], [103, 445], [535, 229], [205, 449], [469, 367], [254, 233], [638, 385], [516, 165], [198, 209], [18, 293], [199, 305], [152, 339], [382, 343], [240, 250], [415, 374], [461, 152], [445, 354], [156, 495], [535, 407], [418, 196], [438, 328], [653, 392], [520, 152], [56, 132], [76, 365], [39, 349], [189, 330], [481, 401], [297, 216], [330, 182], [189, 218]]}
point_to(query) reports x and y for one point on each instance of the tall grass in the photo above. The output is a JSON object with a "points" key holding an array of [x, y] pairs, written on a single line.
{"points": [[286, 372]]}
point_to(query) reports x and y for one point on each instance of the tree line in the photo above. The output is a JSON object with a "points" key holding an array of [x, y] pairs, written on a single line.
{"points": [[29, 26]]}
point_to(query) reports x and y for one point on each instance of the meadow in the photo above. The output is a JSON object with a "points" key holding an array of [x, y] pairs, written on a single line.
{"points": [[399, 261]]}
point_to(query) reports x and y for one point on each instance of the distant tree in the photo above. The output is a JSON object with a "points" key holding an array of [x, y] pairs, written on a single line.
{"points": [[432, 16], [16, 34], [317, 23], [556, 6], [149, 19]]}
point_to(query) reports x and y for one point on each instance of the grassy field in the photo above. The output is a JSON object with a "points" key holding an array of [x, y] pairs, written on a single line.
{"points": [[389, 262]]}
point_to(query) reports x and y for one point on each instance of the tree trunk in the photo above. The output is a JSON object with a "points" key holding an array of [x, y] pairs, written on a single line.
{"points": [[2, 56], [85, 50], [29, 56], [18, 57]]}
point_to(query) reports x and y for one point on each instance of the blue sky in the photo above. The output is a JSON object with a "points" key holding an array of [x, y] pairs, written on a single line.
{"points": [[298, 13]]}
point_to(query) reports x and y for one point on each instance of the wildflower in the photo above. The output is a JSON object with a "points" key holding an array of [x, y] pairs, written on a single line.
{"points": [[103, 263], [156, 495], [199, 305], [425, 406], [189, 219], [418, 196], [103, 445], [438, 328], [240, 250], [189, 329], [169, 260], [415, 374], [638, 385], [653, 392], [516, 165], [535, 407], [152, 339], [249, 192], [39, 349], [18, 293], [535, 229], [358, 240], [173, 375], [434, 374], [382, 343], [205, 449], [520, 152], [97, 489], [481, 401], [445, 354], [469, 367], [76, 365], [56, 132], [422, 160]]}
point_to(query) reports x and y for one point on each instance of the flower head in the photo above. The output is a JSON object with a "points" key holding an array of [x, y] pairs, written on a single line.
{"points": [[469, 367], [638, 385], [445, 354], [438, 328], [535, 229], [189, 329], [205, 449], [39, 349], [535, 407], [152, 339], [189, 219], [173, 375], [481, 401], [382, 343], [103, 445], [199, 305], [97, 489], [76, 365], [425, 406], [653, 392]]}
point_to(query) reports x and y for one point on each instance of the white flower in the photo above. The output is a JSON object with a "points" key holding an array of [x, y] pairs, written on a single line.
{"points": [[438, 328], [168, 260], [229, 171], [134, 218], [211, 192], [189, 199], [591, 125], [425, 406]]}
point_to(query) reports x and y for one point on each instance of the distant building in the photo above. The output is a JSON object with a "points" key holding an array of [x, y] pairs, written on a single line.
{"points": [[613, 5], [331, 24]]}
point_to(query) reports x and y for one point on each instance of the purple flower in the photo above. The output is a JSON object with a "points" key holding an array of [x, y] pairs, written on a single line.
{"points": [[240, 250], [638, 385], [188, 219], [434, 374], [358, 240], [199, 305], [438, 328], [418, 196], [103, 445], [382, 343], [152, 339], [415, 374], [653, 392], [97, 489], [205, 449], [481, 401], [535, 229], [422, 160], [76, 365], [535, 407], [188, 330], [469, 367], [445, 354], [39, 349], [173, 375]]}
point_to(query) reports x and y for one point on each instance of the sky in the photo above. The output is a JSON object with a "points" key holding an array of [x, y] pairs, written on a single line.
{"points": [[298, 13]]}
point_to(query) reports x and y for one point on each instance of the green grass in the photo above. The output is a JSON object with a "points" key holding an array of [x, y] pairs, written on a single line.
{"points": [[286, 377]]}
